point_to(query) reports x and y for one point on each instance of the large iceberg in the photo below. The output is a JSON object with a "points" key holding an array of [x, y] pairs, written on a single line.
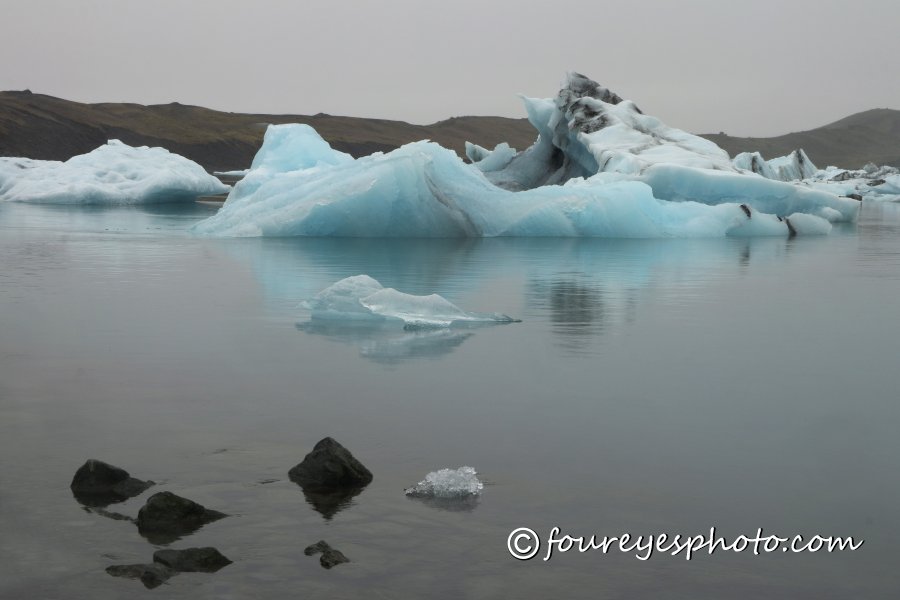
{"points": [[599, 168], [361, 298], [112, 174]]}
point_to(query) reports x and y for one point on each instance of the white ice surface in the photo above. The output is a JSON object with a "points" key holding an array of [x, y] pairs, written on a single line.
{"points": [[111, 174], [878, 183], [448, 483]]}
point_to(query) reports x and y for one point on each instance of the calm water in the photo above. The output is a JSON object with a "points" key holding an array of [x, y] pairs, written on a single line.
{"points": [[652, 387]]}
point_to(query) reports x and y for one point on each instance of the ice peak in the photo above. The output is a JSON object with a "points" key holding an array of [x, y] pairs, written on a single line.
{"points": [[578, 86]]}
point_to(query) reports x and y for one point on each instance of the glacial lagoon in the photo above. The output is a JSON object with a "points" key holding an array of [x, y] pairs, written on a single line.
{"points": [[653, 386]]}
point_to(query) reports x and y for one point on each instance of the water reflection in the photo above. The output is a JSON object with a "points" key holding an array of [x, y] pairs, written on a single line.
{"points": [[878, 222], [295, 269], [329, 502], [389, 344], [582, 288], [167, 218], [575, 304], [459, 504]]}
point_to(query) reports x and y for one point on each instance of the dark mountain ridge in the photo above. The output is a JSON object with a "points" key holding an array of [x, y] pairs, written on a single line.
{"points": [[45, 127], [851, 142]]}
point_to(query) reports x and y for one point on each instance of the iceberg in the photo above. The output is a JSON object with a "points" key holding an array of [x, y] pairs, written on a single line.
{"points": [[115, 173], [599, 168], [490, 160], [872, 182], [447, 483], [362, 299], [793, 167]]}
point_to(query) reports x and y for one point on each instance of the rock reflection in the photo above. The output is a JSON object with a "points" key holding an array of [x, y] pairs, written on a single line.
{"points": [[329, 502]]}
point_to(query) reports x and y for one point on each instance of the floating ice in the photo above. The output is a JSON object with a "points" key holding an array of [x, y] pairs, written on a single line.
{"points": [[361, 298], [870, 183], [599, 168], [112, 174], [793, 167], [447, 483]]}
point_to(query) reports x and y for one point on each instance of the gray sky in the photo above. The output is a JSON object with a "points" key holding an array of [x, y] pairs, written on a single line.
{"points": [[756, 67]]}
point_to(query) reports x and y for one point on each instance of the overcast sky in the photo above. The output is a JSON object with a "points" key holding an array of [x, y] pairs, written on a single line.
{"points": [[755, 67]]}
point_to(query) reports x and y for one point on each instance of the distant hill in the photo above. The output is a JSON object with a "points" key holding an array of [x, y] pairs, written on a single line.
{"points": [[44, 127], [869, 136]]}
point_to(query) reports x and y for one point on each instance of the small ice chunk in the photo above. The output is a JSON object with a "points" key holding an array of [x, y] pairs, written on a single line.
{"points": [[363, 298], [490, 160], [447, 483]]}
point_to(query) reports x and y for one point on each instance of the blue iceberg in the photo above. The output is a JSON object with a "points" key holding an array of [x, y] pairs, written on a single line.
{"points": [[599, 168]]}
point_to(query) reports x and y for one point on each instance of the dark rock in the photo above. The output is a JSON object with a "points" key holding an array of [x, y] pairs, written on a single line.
{"points": [[875, 182], [330, 557], [152, 575], [204, 560], [320, 546], [166, 516], [856, 197], [330, 465], [97, 483]]}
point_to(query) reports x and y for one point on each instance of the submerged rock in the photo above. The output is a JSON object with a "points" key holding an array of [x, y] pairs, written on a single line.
{"points": [[204, 560], [97, 483], [330, 557], [330, 466], [168, 563], [151, 575], [168, 516]]}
